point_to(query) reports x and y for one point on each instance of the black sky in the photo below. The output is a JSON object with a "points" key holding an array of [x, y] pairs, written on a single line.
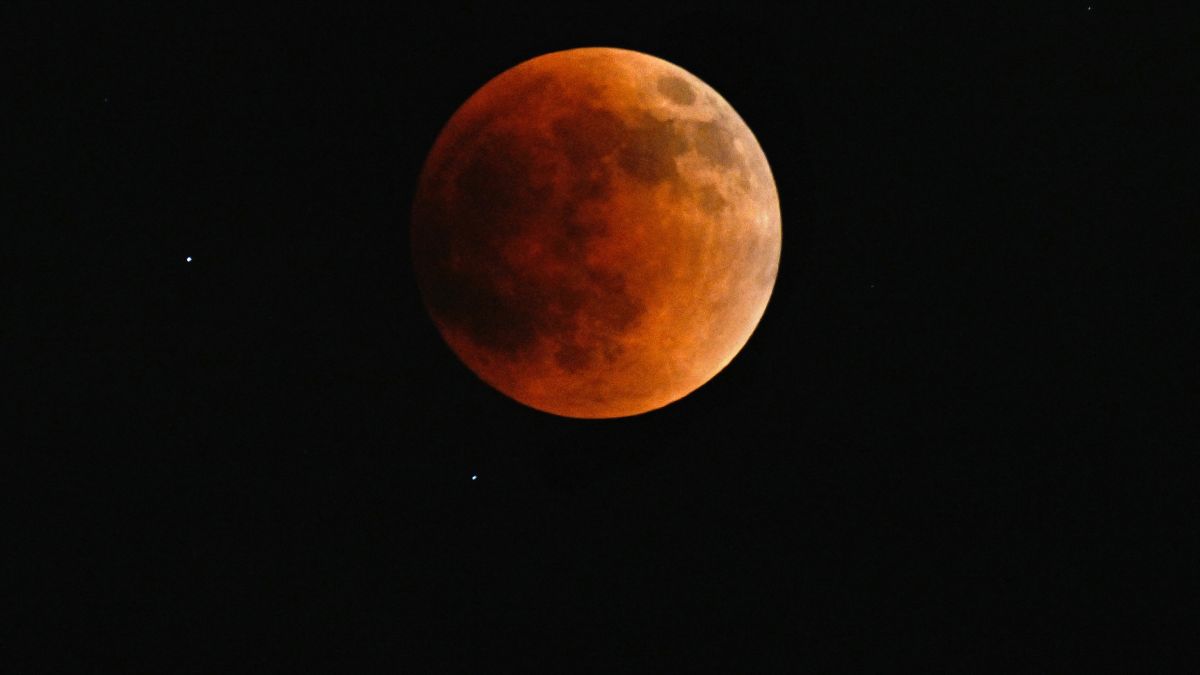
{"points": [[953, 437]]}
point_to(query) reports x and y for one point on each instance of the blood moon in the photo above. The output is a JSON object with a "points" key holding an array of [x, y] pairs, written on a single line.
{"points": [[596, 233]]}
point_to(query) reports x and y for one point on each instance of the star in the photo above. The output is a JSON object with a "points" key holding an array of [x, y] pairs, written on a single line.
{"points": [[473, 476], [188, 259]]}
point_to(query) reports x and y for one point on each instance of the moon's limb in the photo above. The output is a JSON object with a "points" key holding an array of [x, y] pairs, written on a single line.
{"points": [[596, 233]]}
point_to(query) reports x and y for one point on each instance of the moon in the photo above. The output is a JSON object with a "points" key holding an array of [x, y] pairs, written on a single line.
{"points": [[596, 233]]}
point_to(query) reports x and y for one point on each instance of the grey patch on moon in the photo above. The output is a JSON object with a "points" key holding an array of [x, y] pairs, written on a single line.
{"points": [[572, 358], [711, 200], [588, 134], [676, 89], [714, 143], [572, 241], [494, 184], [649, 154]]}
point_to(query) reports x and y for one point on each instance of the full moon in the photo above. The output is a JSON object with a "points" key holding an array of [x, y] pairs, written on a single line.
{"points": [[596, 233]]}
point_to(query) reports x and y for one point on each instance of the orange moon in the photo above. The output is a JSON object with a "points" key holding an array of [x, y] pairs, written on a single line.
{"points": [[596, 233]]}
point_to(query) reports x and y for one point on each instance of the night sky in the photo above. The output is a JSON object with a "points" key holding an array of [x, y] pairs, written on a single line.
{"points": [[953, 438]]}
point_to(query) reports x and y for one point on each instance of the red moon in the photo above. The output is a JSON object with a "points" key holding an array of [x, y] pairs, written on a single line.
{"points": [[596, 233]]}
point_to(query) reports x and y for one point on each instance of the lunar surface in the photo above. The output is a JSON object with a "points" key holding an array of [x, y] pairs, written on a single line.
{"points": [[596, 233]]}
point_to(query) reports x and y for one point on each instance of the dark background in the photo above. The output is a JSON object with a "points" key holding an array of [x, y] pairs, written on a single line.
{"points": [[953, 437]]}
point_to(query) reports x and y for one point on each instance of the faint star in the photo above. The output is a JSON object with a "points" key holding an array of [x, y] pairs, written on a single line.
{"points": [[188, 259], [473, 477]]}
